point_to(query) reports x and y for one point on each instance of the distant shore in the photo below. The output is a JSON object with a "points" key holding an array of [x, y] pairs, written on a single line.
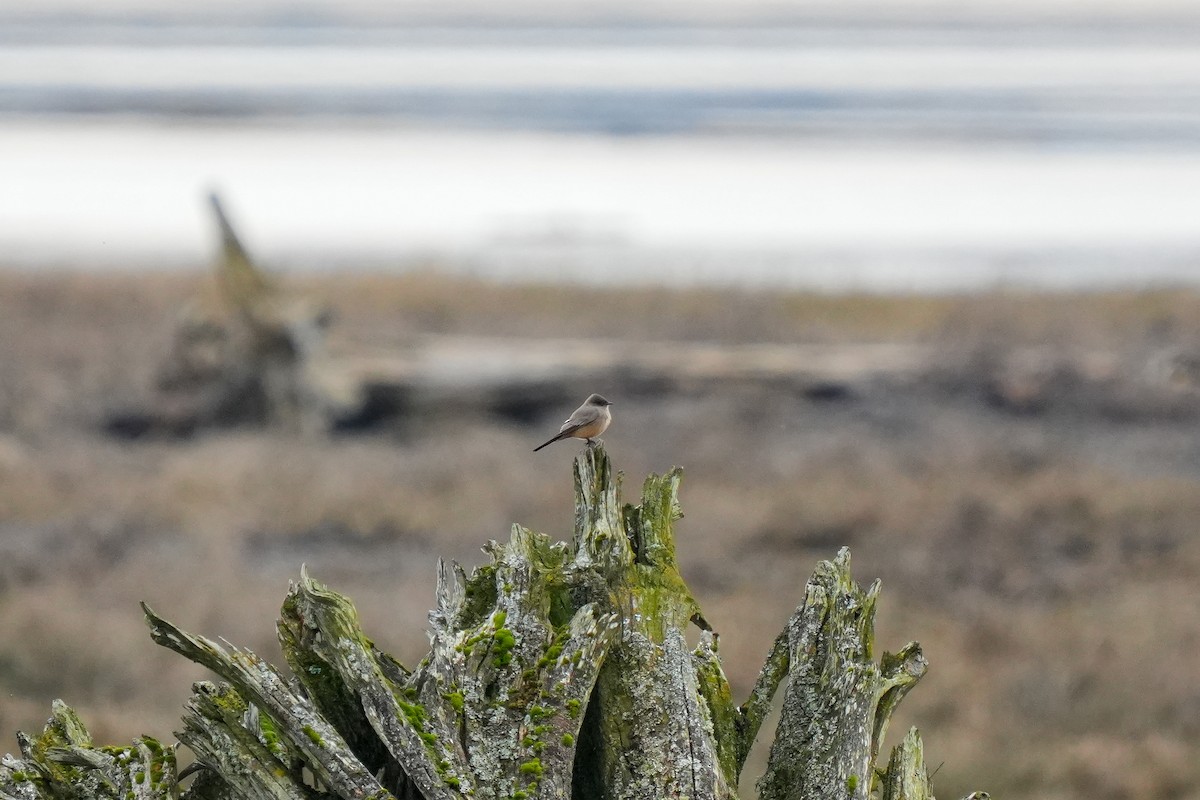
{"points": [[674, 210]]}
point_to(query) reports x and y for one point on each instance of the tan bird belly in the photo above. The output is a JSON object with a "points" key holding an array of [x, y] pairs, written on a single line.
{"points": [[593, 429]]}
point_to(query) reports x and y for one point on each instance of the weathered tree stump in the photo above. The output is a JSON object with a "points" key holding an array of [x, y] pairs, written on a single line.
{"points": [[253, 360], [555, 671]]}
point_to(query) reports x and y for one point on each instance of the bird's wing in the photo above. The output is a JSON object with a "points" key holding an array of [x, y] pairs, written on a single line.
{"points": [[581, 417]]}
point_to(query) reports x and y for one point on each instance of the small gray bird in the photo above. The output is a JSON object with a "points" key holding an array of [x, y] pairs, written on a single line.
{"points": [[588, 421]]}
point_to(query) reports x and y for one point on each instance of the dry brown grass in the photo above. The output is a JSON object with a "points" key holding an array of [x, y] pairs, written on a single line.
{"points": [[377, 307], [1047, 563]]}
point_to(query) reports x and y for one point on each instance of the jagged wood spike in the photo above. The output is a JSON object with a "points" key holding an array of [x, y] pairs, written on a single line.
{"points": [[906, 777], [338, 702], [756, 708], [398, 723], [824, 739], [325, 752], [450, 592], [899, 673], [598, 530], [278, 320], [243, 284], [642, 753]]}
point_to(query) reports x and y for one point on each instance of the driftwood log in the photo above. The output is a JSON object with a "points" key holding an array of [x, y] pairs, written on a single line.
{"points": [[555, 671]]}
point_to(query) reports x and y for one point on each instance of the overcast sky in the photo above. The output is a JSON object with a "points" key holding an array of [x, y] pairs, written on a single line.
{"points": [[683, 9]]}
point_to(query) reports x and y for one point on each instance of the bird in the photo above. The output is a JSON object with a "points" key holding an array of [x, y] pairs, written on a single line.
{"points": [[586, 422]]}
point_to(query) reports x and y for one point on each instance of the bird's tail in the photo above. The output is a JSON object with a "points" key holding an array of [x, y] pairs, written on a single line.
{"points": [[562, 435]]}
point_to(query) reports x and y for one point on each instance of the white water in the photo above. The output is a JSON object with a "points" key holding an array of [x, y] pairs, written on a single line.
{"points": [[837, 66], [111, 194]]}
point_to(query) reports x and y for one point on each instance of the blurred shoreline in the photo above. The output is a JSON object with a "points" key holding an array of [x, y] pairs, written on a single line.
{"points": [[684, 211]]}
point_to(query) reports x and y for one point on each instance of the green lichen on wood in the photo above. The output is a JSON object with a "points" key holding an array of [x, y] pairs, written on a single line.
{"points": [[455, 699], [725, 716], [63, 731], [502, 646], [479, 595]]}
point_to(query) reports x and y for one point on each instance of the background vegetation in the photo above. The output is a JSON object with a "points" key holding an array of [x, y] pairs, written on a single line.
{"points": [[1045, 554]]}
